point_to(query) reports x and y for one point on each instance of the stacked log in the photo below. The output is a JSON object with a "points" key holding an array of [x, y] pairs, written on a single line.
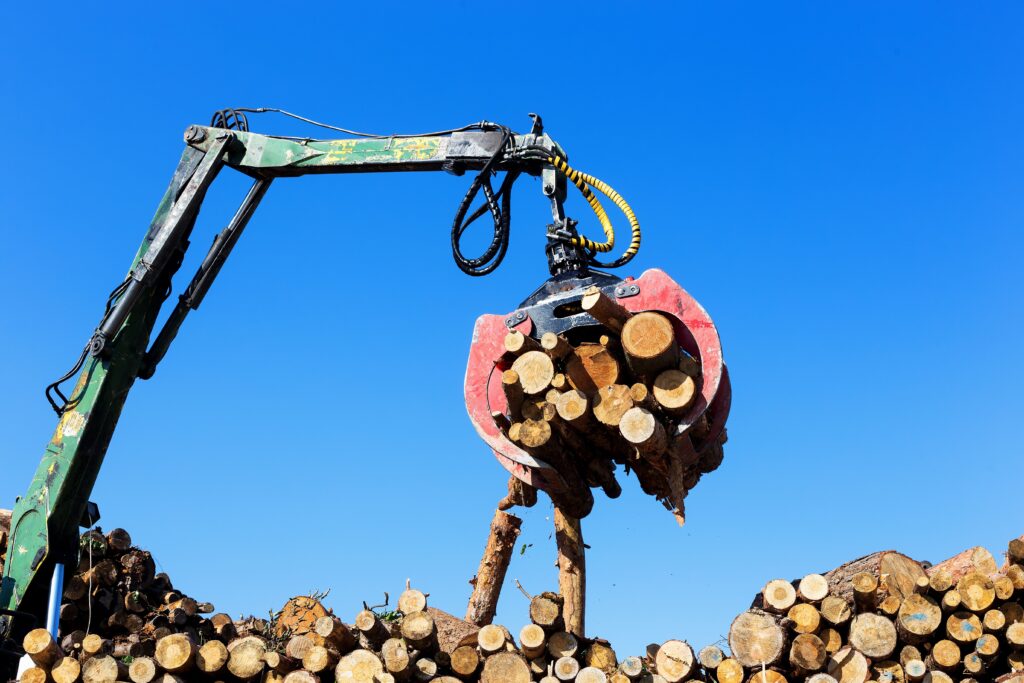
{"points": [[881, 618], [616, 393], [884, 617]]}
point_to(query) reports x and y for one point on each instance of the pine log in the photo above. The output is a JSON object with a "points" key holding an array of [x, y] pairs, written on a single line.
{"points": [[566, 668], [813, 588], [299, 676], [535, 371], [505, 667], [590, 674], [848, 666], [40, 646], [519, 493], [873, 635], [649, 341], [835, 610], [963, 627], [279, 663], [898, 574], [832, 639], [631, 667], [977, 591], [641, 428], [372, 631], [175, 653], [103, 669], [766, 676], [491, 639], [675, 661], [418, 629], [976, 559], [562, 644], [532, 641], [611, 403], [246, 657], [142, 670], [336, 635], [807, 653], [592, 366], [778, 595], [397, 660], [546, 610], [918, 618], [535, 434], [358, 666], [674, 391], [517, 343], [66, 670], [298, 646], [513, 392], [572, 571], [804, 618], [604, 309], [465, 661], [755, 638], [451, 630], [425, 669], [729, 671], [945, 655], [212, 657], [601, 656], [490, 576], [555, 346]]}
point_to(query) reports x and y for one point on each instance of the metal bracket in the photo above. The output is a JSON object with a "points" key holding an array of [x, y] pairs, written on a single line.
{"points": [[626, 290]]}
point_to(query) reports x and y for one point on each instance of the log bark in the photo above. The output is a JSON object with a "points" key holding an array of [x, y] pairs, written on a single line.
{"points": [[490, 576], [451, 631], [572, 572], [604, 309], [898, 574], [517, 343]]}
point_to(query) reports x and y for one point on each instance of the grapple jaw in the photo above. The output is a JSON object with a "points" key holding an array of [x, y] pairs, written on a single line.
{"points": [[555, 307]]}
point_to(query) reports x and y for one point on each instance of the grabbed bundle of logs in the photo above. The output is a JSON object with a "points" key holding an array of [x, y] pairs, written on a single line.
{"points": [[596, 372]]}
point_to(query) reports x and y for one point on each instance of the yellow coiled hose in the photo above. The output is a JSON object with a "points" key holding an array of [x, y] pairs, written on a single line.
{"points": [[583, 181]]}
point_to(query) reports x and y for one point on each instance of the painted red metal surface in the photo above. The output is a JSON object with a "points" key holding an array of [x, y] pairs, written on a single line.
{"points": [[695, 332]]}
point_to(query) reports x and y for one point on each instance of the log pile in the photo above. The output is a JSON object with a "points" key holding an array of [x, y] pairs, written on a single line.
{"points": [[608, 395], [883, 618], [886, 617]]}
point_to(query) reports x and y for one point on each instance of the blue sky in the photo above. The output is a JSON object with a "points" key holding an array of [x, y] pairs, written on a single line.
{"points": [[840, 184]]}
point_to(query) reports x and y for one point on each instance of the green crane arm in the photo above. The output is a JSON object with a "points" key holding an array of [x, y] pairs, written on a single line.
{"points": [[45, 523]]}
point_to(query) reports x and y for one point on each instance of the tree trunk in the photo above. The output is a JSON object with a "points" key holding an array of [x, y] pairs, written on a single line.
{"points": [[572, 571], [490, 576]]}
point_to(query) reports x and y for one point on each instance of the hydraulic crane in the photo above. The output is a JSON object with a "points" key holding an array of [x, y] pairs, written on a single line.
{"points": [[122, 348]]}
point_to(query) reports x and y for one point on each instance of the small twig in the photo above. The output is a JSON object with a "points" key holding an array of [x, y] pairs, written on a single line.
{"points": [[523, 590], [387, 599]]}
